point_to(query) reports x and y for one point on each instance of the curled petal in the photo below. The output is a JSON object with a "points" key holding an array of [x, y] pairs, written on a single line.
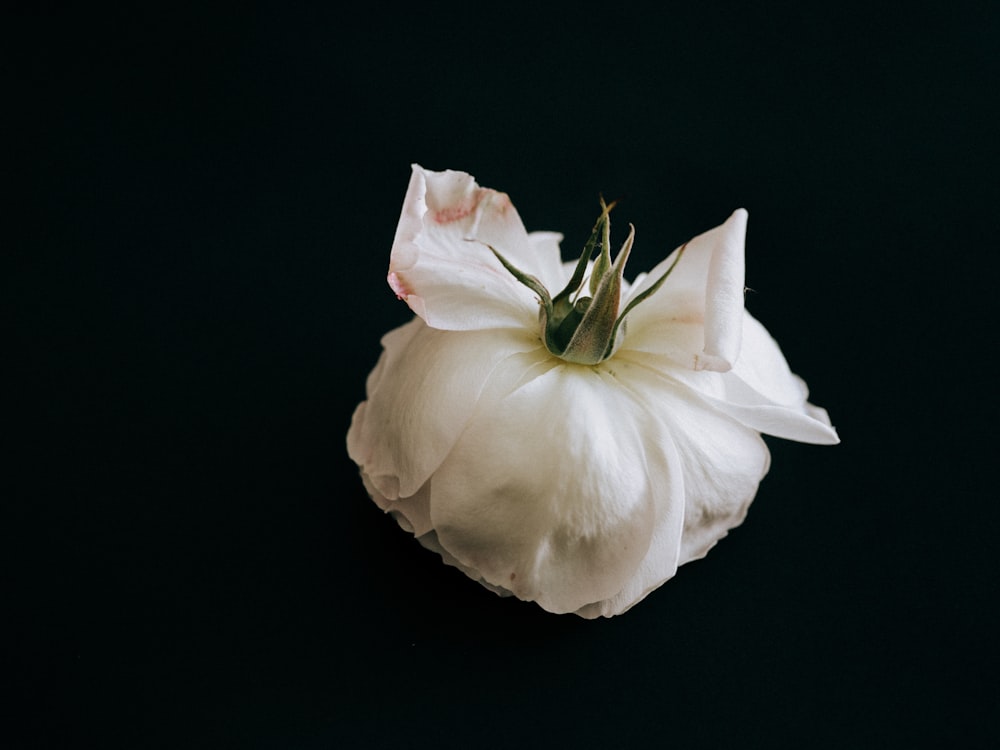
{"points": [[441, 264], [760, 391], [696, 317], [548, 493], [420, 395], [764, 369], [762, 381]]}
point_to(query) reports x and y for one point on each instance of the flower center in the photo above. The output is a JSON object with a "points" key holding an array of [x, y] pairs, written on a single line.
{"points": [[583, 323]]}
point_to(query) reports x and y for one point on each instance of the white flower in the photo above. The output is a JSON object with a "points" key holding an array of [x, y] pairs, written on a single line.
{"points": [[564, 453]]}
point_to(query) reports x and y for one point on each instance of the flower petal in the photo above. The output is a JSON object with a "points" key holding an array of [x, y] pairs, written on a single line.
{"points": [[696, 316], [430, 541], [761, 380], [724, 463], [760, 391], [662, 557], [412, 513], [548, 492], [441, 265], [708, 468], [721, 461], [420, 396], [763, 368]]}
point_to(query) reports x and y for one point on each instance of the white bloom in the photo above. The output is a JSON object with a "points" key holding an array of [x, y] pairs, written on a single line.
{"points": [[570, 460]]}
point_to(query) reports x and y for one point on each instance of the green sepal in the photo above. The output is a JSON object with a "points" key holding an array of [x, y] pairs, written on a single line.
{"points": [[559, 334], [603, 263], [593, 339], [529, 281], [588, 329], [565, 301]]}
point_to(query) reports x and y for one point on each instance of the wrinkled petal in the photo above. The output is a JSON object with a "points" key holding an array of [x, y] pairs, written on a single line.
{"points": [[441, 265], [696, 316], [548, 492], [420, 395]]}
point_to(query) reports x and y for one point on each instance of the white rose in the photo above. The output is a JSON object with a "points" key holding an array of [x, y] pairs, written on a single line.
{"points": [[569, 453]]}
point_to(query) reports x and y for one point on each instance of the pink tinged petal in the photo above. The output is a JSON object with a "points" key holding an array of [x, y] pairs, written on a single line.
{"points": [[548, 492], [696, 316], [440, 263], [420, 396]]}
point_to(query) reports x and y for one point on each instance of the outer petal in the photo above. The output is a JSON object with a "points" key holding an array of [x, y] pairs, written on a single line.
{"points": [[724, 463], [760, 391], [548, 493], [440, 263], [763, 368], [667, 475], [420, 396], [706, 464], [412, 513], [696, 316]]}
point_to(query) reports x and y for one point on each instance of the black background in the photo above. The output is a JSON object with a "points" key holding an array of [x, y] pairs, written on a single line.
{"points": [[203, 206]]}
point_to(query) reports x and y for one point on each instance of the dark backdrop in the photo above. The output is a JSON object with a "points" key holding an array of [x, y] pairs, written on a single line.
{"points": [[203, 206]]}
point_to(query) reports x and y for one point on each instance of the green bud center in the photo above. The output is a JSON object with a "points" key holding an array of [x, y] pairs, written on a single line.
{"points": [[583, 322]]}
